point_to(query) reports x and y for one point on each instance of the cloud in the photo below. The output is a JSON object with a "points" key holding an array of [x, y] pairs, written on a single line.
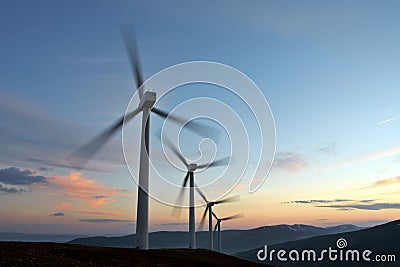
{"points": [[67, 206], [64, 163], [289, 161], [113, 213], [347, 204], [100, 202], [327, 149], [57, 214], [384, 182], [64, 206], [44, 169], [375, 156], [367, 200], [104, 220], [16, 176], [374, 206], [316, 201], [76, 186], [11, 190]]}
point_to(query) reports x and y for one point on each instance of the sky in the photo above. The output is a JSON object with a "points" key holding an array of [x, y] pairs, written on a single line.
{"points": [[329, 71]]}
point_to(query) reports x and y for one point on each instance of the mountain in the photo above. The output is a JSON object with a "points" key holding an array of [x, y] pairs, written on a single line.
{"points": [[21, 254], [36, 237], [232, 240], [382, 240]]}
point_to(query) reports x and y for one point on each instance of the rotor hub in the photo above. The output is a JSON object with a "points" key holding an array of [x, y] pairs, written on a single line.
{"points": [[192, 167], [148, 100]]}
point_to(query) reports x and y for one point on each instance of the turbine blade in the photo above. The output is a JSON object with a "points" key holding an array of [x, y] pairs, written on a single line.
{"points": [[80, 156], [176, 211], [175, 150], [215, 216], [221, 162], [229, 199], [201, 194], [128, 34], [201, 225], [215, 228], [236, 216], [186, 179], [195, 127], [180, 195]]}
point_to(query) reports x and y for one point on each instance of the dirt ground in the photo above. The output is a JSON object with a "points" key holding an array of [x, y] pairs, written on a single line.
{"points": [[57, 254]]}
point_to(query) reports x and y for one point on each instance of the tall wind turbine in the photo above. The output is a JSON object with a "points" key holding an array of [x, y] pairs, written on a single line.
{"points": [[147, 100], [218, 226], [191, 168], [209, 206]]}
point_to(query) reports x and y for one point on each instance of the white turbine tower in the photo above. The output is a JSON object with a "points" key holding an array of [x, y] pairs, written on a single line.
{"points": [[191, 168], [147, 99], [209, 206], [218, 226]]}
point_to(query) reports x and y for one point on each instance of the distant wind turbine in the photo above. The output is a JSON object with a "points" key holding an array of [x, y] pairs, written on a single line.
{"points": [[209, 205], [218, 226], [191, 168]]}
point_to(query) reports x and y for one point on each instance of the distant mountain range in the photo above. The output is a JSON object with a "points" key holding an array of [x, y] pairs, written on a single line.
{"points": [[232, 240], [57, 238], [382, 240]]}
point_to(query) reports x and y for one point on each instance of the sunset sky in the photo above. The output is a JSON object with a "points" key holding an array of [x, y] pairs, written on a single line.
{"points": [[329, 70]]}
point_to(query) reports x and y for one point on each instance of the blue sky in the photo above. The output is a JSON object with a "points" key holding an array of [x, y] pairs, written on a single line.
{"points": [[329, 71]]}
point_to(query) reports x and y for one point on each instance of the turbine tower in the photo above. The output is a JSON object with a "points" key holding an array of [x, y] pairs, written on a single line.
{"points": [[209, 205], [218, 226], [147, 100]]}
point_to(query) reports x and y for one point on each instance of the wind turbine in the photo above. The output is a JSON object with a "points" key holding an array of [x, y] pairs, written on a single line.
{"points": [[209, 206], [191, 168], [218, 225], [147, 99]]}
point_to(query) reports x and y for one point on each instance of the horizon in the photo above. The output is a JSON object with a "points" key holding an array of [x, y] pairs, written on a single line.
{"points": [[328, 71], [185, 230]]}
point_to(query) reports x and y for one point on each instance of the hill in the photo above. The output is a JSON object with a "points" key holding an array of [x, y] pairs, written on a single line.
{"points": [[20, 254], [381, 240], [232, 240], [58, 238]]}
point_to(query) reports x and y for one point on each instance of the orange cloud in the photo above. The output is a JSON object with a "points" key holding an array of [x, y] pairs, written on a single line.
{"points": [[389, 181], [64, 206], [295, 166], [76, 186], [99, 201]]}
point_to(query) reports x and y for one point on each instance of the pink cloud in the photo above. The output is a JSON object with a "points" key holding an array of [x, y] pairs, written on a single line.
{"points": [[64, 206], [78, 187], [289, 161]]}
